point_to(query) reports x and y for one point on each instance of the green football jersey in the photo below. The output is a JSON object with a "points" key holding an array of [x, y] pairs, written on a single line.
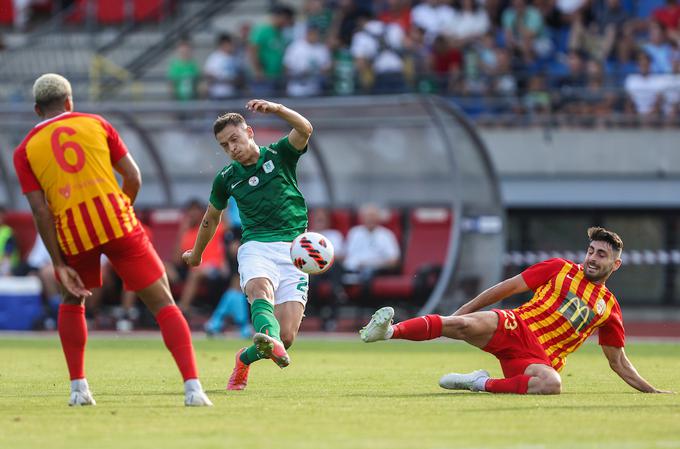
{"points": [[270, 204]]}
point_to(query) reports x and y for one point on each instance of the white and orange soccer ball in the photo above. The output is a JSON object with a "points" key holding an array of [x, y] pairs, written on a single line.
{"points": [[312, 253]]}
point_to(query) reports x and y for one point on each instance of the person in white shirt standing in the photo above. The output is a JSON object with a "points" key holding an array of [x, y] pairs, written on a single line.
{"points": [[307, 61]]}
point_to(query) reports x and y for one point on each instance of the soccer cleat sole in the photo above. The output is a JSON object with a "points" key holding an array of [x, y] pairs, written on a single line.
{"points": [[265, 345], [382, 318]]}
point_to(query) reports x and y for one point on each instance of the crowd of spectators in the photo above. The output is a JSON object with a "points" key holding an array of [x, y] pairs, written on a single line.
{"points": [[577, 57]]}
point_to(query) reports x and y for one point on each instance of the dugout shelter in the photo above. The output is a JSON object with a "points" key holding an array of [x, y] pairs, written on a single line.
{"points": [[417, 156]]}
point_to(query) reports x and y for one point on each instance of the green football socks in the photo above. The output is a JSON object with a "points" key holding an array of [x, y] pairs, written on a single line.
{"points": [[264, 321]]}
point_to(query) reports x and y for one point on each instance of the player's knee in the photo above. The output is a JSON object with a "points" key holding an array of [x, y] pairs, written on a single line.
{"points": [[287, 338], [551, 385], [455, 326]]}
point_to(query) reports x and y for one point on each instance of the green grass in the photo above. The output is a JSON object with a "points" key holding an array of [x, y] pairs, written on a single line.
{"points": [[336, 394]]}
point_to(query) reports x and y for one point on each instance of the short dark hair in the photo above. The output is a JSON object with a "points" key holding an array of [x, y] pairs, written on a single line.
{"points": [[282, 10], [229, 118], [599, 234], [224, 38]]}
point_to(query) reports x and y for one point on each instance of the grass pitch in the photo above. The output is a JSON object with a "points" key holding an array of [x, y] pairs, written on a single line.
{"points": [[336, 394]]}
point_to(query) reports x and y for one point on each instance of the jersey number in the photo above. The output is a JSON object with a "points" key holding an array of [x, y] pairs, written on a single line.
{"points": [[59, 150]]}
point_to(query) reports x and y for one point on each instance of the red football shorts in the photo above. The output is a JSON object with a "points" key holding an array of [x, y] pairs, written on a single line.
{"points": [[514, 345], [132, 256]]}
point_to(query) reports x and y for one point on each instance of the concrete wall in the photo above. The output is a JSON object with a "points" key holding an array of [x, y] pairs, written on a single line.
{"points": [[572, 167]]}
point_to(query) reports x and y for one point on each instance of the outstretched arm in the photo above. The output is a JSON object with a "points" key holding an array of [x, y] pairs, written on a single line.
{"points": [[620, 364], [494, 294], [302, 128], [209, 224]]}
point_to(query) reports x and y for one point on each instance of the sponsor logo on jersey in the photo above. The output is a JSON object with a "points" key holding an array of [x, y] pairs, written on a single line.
{"points": [[236, 183], [268, 167], [253, 181]]}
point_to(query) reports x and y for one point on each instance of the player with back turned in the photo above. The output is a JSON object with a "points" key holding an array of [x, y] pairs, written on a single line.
{"points": [[532, 342], [273, 212], [66, 169]]}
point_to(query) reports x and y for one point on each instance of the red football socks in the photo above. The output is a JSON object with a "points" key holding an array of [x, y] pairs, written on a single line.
{"points": [[73, 334], [517, 384], [177, 338], [426, 327]]}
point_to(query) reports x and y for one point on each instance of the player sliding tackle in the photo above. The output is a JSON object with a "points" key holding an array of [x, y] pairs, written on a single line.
{"points": [[273, 212], [532, 342]]}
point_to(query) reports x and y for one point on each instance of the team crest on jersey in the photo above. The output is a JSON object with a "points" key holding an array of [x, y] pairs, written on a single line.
{"points": [[268, 167], [65, 191], [253, 181], [600, 306]]}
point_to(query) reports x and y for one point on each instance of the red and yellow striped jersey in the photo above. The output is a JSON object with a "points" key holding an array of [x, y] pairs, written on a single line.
{"points": [[567, 308], [70, 158]]}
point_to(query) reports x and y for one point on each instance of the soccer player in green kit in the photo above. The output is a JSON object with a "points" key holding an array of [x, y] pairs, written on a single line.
{"points": [[273, 212]]}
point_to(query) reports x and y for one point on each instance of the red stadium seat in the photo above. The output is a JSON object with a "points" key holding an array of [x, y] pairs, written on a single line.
{"points": [[341, 220], [148, 10], [428, 241], [6, 12], [24, 230], [164, 225], [395, 223], [78, 12], [110, 12]]}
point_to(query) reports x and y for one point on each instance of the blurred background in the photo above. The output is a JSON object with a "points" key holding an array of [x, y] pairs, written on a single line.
{"points": [[482, 135]]}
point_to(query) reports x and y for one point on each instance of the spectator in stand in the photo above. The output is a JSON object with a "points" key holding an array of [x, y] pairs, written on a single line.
{"points": [[328, 306], [9, 252], [345, 22], [184, 73], [598, 37], [447, 62], [537, 99], [307, 61], [267, 45], [318, 15], [571, 85], [432, 16], [212, 268], [669, 17], [658, 49], [598, 101], [502, 80], [469, 23], [397, 12], [224, 70], [644, 90], [371, 249], [377, 49], [417, 61], [525, 31]]}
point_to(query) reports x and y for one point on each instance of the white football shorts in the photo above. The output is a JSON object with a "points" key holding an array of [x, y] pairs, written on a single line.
{"points": [[271, 260]]}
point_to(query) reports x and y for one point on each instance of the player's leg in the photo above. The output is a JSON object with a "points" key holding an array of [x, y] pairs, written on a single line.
{"points": [[290, 315], [72, 326], [537, 378], [474, 328], [544, 379], [142, 271], [525, 366], [266, 326], [267, 338]]}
